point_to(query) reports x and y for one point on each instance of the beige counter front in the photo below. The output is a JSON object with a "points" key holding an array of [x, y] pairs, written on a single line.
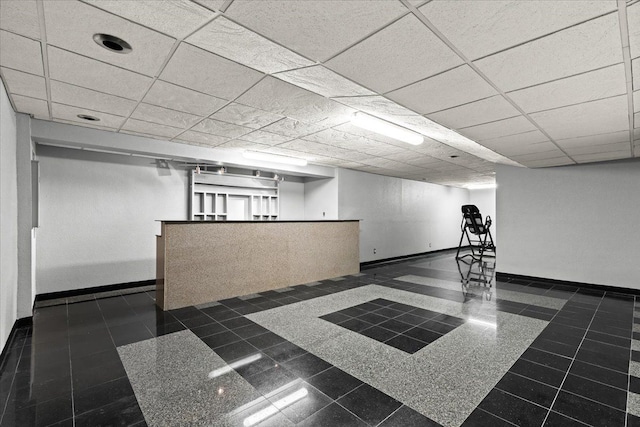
{"points": [[199, 262]]}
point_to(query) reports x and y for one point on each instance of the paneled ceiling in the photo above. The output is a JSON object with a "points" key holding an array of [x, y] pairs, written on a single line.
{"points": [[531, 83]]}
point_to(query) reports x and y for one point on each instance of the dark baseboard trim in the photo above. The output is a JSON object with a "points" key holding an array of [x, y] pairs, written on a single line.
{"points": [[377, 262], [20, 323], [95, 290], [615, 289]]}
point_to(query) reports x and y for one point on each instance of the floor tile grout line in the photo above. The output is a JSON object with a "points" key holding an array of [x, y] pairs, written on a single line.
{"points": [[573, 360], [13, 379], [493, 415]]}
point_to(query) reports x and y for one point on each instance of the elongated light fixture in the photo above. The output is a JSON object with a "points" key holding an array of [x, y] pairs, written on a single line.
{"points": [[267, 157], [385, 128]]}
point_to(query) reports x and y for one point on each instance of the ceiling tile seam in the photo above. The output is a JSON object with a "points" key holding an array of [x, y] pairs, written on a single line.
{"points": [[175, 46], [13, 92], [467, 103], [45, 55], [225, 5], [577, 103], [542, 36], [87, 108], [10, 94], [444, 39], [331, 71], [423, 79], [626, 55], [19, 35], [371, 34]]}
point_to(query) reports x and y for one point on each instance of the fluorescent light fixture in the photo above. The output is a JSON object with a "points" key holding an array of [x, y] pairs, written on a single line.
{"points": [[247, 360], [275, 158], [385, 128], [481, 186], [270, 410], [480, 322]]}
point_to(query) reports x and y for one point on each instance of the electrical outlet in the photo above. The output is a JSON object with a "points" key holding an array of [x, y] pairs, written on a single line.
{"points": [[374, 251], [429, 244], [323, 214]]}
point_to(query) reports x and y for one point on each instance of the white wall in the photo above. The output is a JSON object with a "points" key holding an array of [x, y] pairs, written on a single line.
{"points": [[485, 200], [575, 223], [398, 216], [98, 217], [8, 218], [321, 198], [291, 195]]}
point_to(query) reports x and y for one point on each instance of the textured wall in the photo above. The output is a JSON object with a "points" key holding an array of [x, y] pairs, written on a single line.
{"points": [[212, 261]]}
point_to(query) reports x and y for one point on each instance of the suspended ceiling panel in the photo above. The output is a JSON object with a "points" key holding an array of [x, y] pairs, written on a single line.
{"points": [[530, 83]]}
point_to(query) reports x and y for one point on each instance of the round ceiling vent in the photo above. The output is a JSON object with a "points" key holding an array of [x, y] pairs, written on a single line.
{"points": [[112, 43], [88, 118]]}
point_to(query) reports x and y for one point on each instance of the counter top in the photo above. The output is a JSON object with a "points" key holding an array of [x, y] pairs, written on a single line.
{"points": [[249, 221]]}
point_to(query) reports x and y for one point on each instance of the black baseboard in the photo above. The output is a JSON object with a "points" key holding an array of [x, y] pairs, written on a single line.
{"points": [[607, 288], [20, 323], [377, 262], [95, 290]]}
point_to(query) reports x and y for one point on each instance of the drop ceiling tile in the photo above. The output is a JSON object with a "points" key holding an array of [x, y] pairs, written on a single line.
{"points": [[602, 116], [412, 158], [245, 116], [322, 81], [531, 137], [216, 127], [37, 107], [67, 112], [214, 5], [164, 116], [598, 84], [293, 128], [178, 98], [288, 100], [402, 53], [522, 149], [551, 154], [294, 153], [544, 163], [601, 157], [63, 93], [352, 142], [512, 126], [475, 113], [232, 41], [20, 53], [201, 138], [596, 149], [594, 44], [266, 138], [449, 89], [24, 83], [636, 101], [480, 28], [223, 78], [636, 120], [150, 129], [596, 139], [300, 25], [81, 71], [177, 18], [238, 144], [633, 21], [324, 150], [378, 106], [71, 26], [635, 68], [20, 17]]}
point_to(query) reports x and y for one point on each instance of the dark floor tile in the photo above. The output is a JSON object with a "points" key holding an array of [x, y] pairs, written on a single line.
{"points": [[250, 331], [537, 372], [599, 374], [609, 339], [536, 314], [410, 319], [616, 363], [395, 325], [284, 352], [254, 364], [334, 382], [234, 351], [449, 320], [435, 326], [307, 365], [221, 339], [633, 421], [200, 320], [555, 347], [407, 417], [266, 340], [425, 314], [129, 333], [271, 380], [96, 369], [596, 391], [248, 309], [527, 389], [555, 419], [101, 395], [587, 411], [406, 344], [563, 334], [548, 359], [369, 404], [160, 330], [43, 414], [220, 313], [335, 317], [303, 408], [611, 330], [423, 335], [367, 306], [123, 412], [373, 318], [480, 418], [634, 384], [513, 409], [355, 324], [388, 312], [378, 333], [382, 302], [352, 312], [333, 415], [210, 329]]}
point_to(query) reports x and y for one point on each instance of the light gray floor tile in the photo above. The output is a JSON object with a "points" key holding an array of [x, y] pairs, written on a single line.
{"points": [[633, 404]]}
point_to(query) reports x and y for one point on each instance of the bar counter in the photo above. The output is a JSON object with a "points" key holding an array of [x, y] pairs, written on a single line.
{"points": [[205, 261]]}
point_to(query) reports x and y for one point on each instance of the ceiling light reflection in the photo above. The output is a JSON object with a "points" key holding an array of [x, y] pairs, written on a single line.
{"points": [[270, 410], [480, 322], [221, 371]]}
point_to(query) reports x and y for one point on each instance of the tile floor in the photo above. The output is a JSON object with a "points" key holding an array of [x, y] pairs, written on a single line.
{"points": [[421, 342]]}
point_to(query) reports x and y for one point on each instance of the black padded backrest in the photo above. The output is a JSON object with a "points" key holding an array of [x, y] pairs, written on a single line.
{"points": [[473, 219]]}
